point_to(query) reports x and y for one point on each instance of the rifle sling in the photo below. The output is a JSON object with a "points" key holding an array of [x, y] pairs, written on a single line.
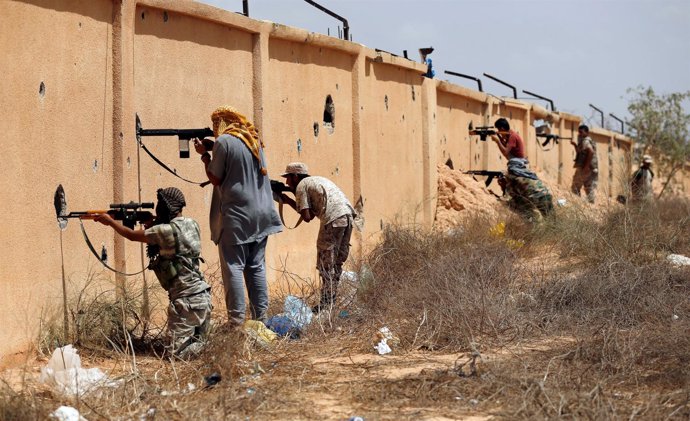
{"points": [[171, 171], [282, 219], [93, 250]]}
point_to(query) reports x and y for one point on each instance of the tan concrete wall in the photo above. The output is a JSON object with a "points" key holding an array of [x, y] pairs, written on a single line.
{"points": [[173, 63]]}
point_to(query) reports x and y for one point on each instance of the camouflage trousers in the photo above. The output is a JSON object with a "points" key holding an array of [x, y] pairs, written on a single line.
{"points": [[333, 248], [588, 180], [528, 196], [188, 322]]}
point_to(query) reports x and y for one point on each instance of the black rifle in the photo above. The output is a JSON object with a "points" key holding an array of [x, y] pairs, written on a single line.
{"points": [[278, 187], [183, 135], [489, 174], [129, 213], [550, 137]]}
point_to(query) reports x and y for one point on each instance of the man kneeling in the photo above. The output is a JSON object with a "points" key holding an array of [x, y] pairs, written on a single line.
{"points": [[176, 242]]}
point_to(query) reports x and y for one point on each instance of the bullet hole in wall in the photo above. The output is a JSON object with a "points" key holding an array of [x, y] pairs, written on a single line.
{"points": [[336, 87], [104, 254], [299, 146], [165, 16], [95, 165], [143, 14], [42, 90], [129, 163], [414, 97], [329, 112], [316, 129], [449, 164], [385, 101]]}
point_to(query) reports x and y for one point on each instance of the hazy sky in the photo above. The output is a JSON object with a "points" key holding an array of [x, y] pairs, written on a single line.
{"points": [[575, 52]]}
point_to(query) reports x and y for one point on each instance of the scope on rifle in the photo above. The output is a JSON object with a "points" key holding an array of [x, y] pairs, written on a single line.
{"points": [[183, 135], [132, 205], [483, 131]]}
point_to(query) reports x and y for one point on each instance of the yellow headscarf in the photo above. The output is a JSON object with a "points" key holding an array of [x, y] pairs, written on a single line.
{"points": [[227, 120]]}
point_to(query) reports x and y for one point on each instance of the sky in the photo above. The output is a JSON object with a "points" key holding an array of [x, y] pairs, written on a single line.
{"points": [[575, 52]]}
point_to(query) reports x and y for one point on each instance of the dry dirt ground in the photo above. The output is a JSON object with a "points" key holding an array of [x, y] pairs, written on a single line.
{"points": [[332, 373]]}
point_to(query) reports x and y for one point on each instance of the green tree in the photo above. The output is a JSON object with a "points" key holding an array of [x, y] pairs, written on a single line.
{"points": [[660, 125]]}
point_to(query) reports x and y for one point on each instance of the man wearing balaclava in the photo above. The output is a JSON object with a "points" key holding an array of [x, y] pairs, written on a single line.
{"points": [[177, 243], [242, 212]]}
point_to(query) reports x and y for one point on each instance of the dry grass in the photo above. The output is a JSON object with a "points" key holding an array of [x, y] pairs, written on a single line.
{"points": [[597, 329]]}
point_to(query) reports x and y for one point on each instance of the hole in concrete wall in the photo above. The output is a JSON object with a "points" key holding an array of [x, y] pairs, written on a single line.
{"points": [[449, 164], [316, 129], [42, 90], [414, 97], [336, 87], [385, 101], [80, 24], [95, 166], [104, 254], [129, 163], [165, 16], [143, 15], [403, 117], [299, 146], [329, 112]]}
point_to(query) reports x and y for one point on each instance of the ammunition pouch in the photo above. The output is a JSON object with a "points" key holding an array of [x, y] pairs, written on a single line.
{"points": [[166, 271]]}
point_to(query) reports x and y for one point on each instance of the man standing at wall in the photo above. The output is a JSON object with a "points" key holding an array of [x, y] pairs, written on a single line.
{"points": [[586, 164], [641, 183], [242, 211], [319, 197]]}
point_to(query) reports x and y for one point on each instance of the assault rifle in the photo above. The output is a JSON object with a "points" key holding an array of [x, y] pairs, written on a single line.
{"points": [[183, 135], [129, 213], [489, 174], [550, 137], [483, 131]]}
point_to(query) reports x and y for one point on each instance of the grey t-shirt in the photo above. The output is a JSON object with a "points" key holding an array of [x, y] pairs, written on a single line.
{"points": [[245, 197]]}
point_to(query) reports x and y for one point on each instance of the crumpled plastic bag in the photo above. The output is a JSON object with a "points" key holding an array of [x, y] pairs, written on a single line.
{"points": [[386, 338], [295, 317], [65, 374], [258, 331], [66, 413]]}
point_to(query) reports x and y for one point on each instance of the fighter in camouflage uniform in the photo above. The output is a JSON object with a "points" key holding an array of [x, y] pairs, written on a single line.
{"points": [[176, 239], [528, 194]]}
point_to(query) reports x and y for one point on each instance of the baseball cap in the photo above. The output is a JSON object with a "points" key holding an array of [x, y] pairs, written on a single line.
{"points": [[295, 168]]}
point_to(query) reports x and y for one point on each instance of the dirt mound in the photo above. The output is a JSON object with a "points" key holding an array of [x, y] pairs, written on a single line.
{"points": [[460, 194]]}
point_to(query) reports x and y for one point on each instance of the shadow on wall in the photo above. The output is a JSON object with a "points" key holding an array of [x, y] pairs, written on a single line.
{"points": [[100, 10], [292, 52], [389, 73], [183, 28]]}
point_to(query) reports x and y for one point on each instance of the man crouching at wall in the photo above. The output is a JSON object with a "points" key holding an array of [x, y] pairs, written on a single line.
{"points": [[319, 197], [177, 241]]}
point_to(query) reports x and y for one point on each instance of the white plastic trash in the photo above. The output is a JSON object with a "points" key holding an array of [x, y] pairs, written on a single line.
{"points": [[678, 260], [65, 374], [297, 311], [66, 413], [561, 202]]}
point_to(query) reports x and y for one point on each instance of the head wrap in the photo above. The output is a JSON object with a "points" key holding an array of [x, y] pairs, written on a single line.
{"points": [[227, 120], [173, 199]]}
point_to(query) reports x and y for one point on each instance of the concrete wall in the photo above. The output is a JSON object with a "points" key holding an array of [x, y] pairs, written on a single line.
{"points": [[77, 73]]}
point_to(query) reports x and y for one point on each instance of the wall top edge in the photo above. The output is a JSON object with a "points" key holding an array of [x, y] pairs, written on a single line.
{"points": [[290, 33], [389, 58], [206, 12], [451, 88]]}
